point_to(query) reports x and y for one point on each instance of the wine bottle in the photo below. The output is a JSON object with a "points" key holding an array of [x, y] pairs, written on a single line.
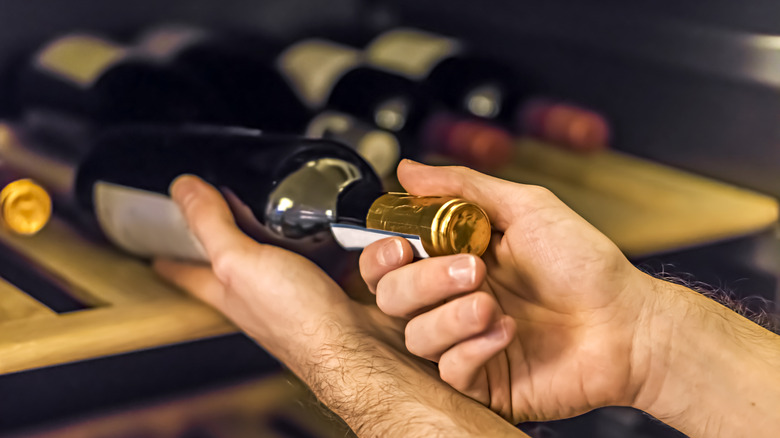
{"points": [[25, 206], [481, 86], [236, 68], [325, 74], [78, 82], [289, 191], [26, 156]]}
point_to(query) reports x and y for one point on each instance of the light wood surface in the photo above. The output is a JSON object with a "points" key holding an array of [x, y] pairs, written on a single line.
{"points": [[15, 304], [131, 308], [644, 207]]}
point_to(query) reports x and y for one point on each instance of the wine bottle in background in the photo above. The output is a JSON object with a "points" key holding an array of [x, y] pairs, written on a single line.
{"points": [[564, 123], [26, 156], [483, 87], [288, 191], [325, 74], [78, 82], [235, 66], [25, 206]]}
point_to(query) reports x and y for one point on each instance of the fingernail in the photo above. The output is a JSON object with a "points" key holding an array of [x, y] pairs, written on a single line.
{"points": [[463, 270], [411, 162], [390, 253], [182, 187], [497, 333]]}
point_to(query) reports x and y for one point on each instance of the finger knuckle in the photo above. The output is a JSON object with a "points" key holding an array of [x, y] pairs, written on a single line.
{"points": [[451, 372], [226, 265], [411, 340], [385, 295], [538, 193], [484, 306]]}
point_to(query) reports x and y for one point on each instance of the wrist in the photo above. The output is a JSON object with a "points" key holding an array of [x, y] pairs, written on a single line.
{"points": [[709, 372], [663, 333]]}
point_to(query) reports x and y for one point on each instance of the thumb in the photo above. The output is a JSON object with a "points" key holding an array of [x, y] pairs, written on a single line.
{"points": [[207, 215], [502, 200]]}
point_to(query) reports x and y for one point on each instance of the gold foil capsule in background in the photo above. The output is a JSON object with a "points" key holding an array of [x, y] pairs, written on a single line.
{"points": [[25, 207]]}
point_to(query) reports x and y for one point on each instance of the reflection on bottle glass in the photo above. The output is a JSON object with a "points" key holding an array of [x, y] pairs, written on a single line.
{"points": [[484, 101]]}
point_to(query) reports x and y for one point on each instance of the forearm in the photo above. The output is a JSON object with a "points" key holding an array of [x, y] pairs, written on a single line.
{"points": [[380, 392], [714, 373]]}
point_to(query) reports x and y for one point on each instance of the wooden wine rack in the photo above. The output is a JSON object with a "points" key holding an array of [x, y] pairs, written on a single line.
{"points": [[644, 207], [128, 307]]}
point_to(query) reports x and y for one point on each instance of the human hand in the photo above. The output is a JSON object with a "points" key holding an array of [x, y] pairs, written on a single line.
{"points": [[547, 324], [350, 354]]}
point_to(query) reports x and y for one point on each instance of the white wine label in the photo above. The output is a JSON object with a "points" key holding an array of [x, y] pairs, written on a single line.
{"points": [[145, 223], [313, 67], [165, 42], [410, 52], [80, 59], [352, 237]]}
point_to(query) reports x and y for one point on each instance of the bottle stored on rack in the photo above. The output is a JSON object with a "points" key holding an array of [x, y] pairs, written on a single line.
{"points": [[79, 81], [26, 156], [235, 67], [481, 86], [293, 192], [25, 206], [325, 74]]}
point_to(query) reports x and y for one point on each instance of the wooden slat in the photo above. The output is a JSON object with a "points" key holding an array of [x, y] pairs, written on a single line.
{"points": [[15, 304], [85, 334], [95, 273], [644, 207]]}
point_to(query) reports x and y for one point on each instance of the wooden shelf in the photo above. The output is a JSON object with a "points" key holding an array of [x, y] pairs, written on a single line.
{"points": [[129, 307], [644, 207]]}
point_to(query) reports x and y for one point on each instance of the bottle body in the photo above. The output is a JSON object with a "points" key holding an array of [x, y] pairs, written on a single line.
{"points": [[445, 68], [238, 68], [80, 82], [283, 190], [469, 83], [327, 74]]}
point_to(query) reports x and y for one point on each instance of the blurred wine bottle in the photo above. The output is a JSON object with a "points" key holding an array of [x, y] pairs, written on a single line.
{"points": [[484, 87], [325, 74], [235, 66], [79, 82], [27, 156], [25, 206]]}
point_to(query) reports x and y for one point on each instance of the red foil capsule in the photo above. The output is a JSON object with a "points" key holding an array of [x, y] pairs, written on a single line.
{"points": [[571, 126], [471, 142]]}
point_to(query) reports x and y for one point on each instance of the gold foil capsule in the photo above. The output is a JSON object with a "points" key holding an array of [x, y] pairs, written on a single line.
{"points": [[25, 207], [445, 225]]}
